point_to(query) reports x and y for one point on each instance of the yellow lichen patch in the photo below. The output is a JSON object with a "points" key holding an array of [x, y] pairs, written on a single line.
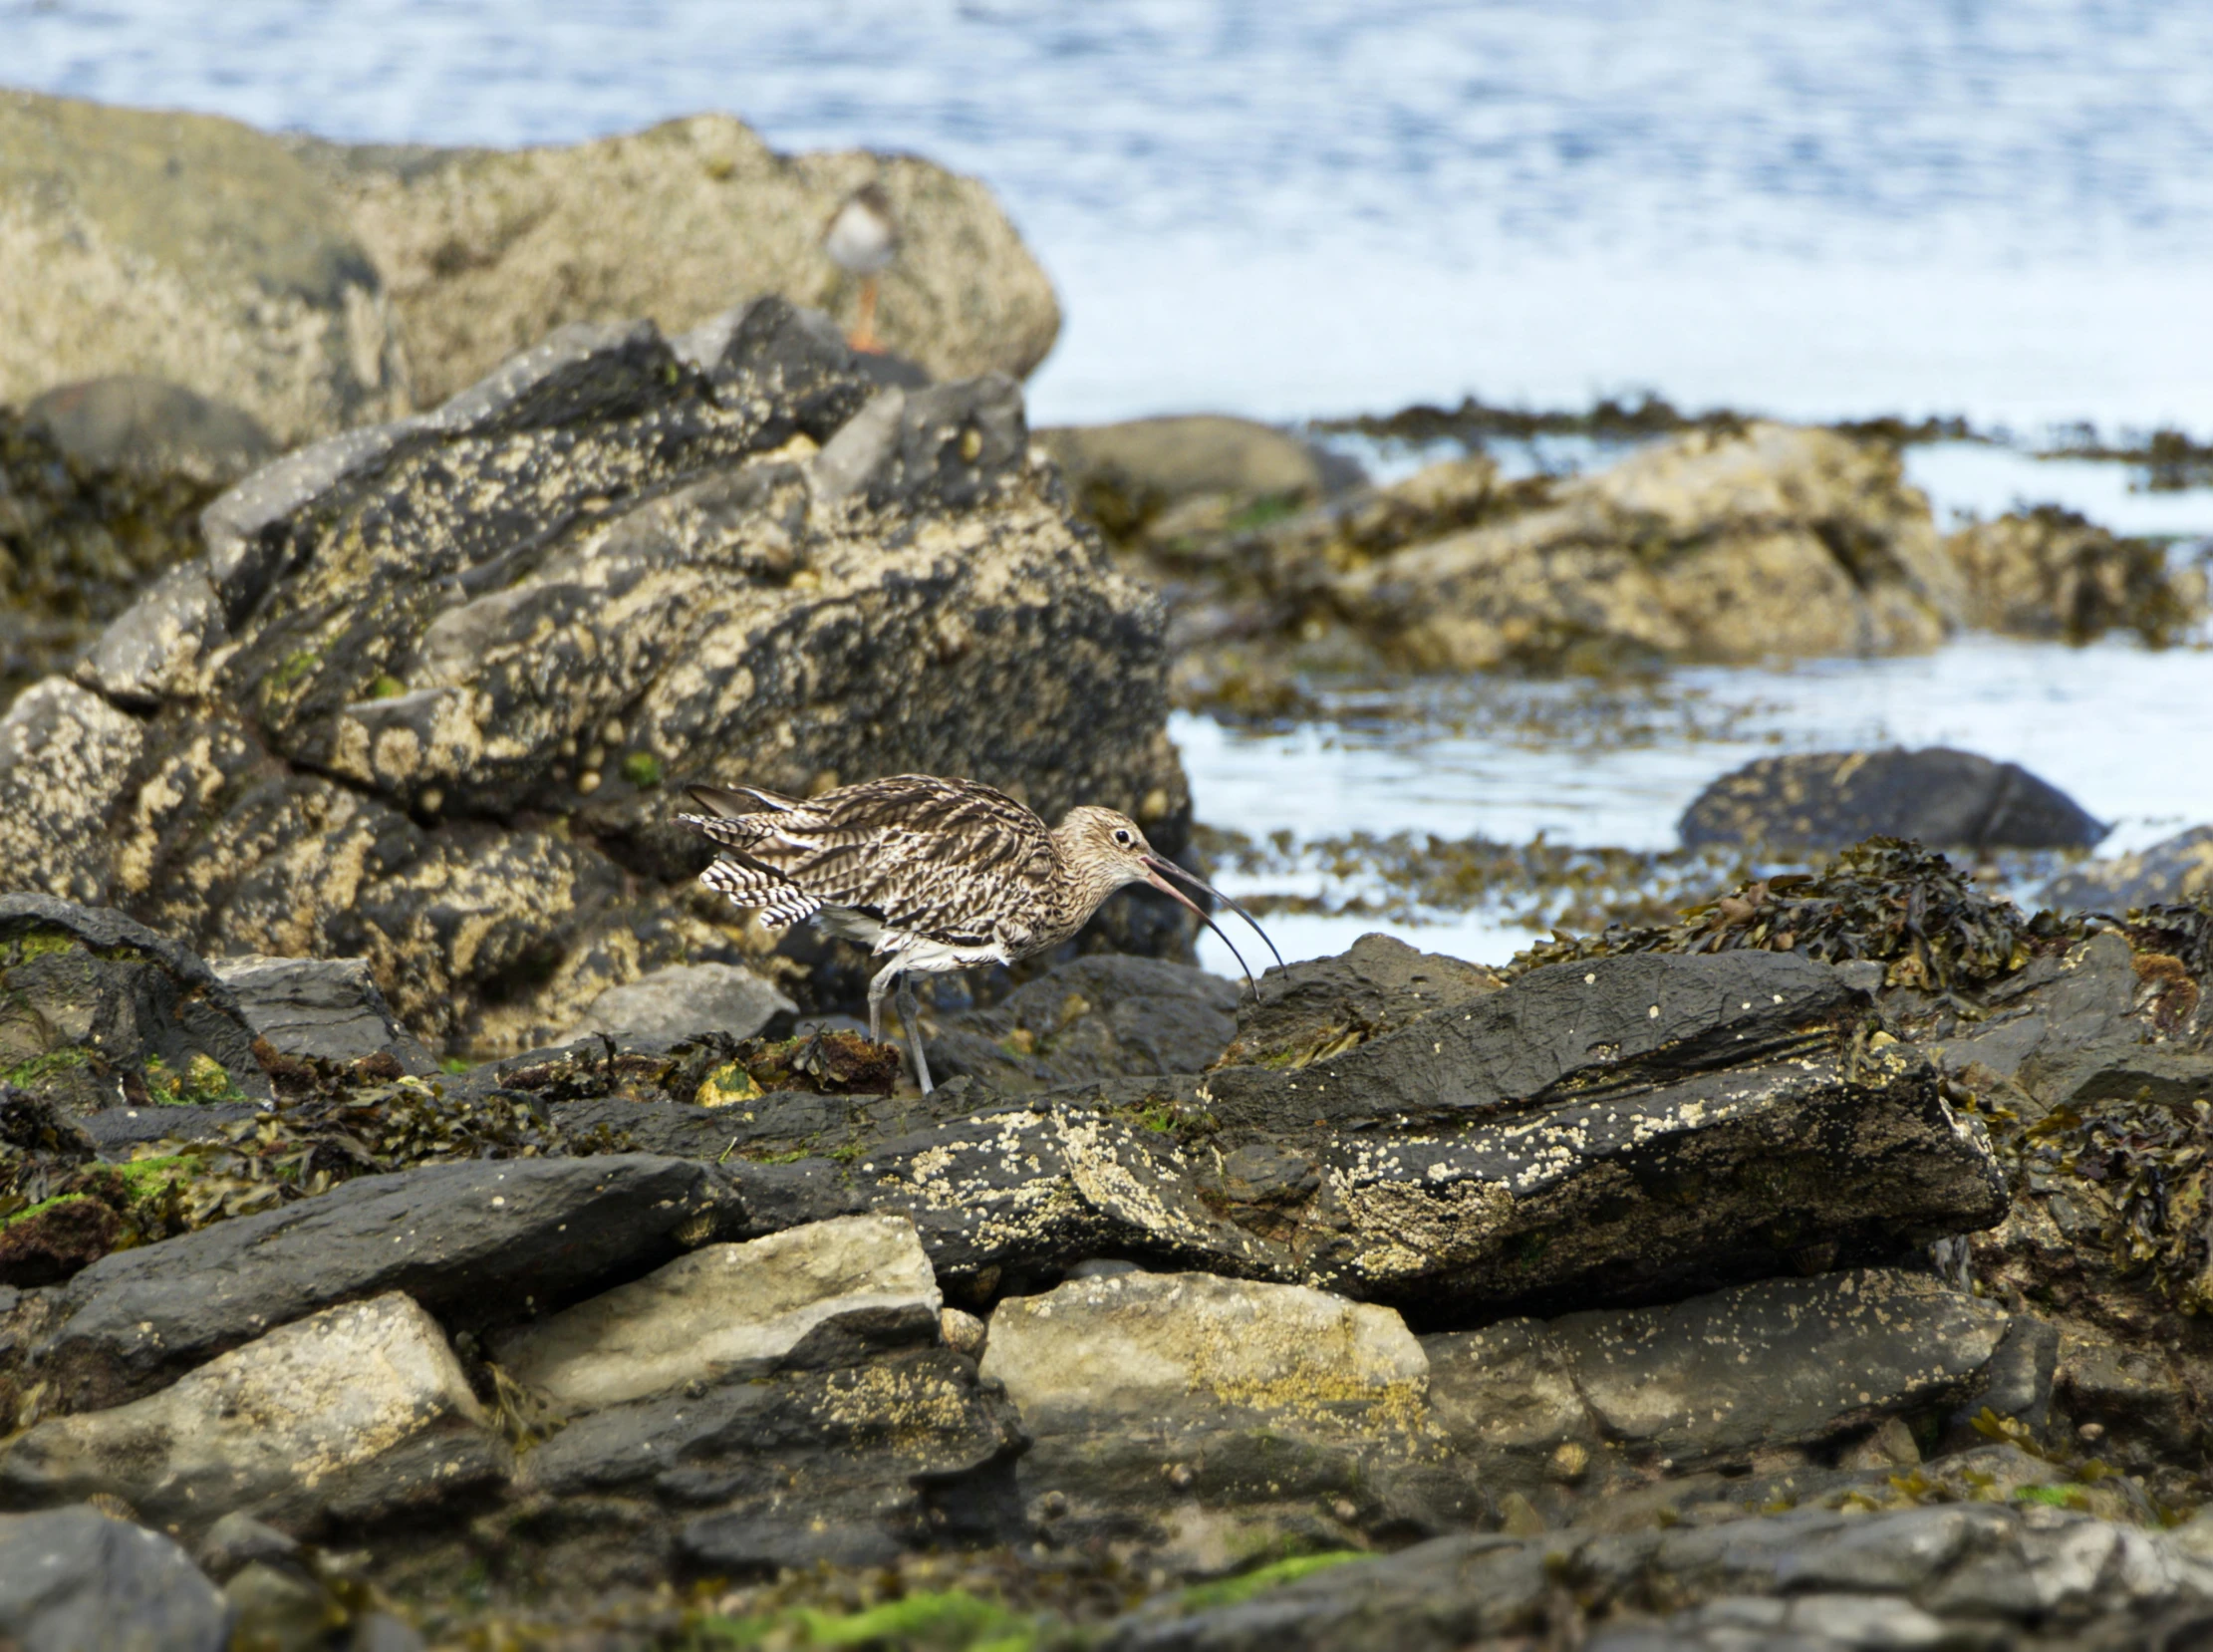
{"points": [[725, 1086]]}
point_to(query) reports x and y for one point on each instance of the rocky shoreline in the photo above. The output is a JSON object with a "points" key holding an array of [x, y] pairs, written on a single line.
{"points": [[428, 1218]]}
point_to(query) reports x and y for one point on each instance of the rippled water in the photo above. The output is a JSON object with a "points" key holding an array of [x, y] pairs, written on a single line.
{"points": [[1292, 207]]}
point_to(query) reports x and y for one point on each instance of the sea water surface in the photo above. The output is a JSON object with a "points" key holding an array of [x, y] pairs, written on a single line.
{"points": [[1297, 208]]}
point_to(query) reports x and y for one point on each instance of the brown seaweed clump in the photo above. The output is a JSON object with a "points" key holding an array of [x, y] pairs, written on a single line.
{"points": [[1883, 899]]}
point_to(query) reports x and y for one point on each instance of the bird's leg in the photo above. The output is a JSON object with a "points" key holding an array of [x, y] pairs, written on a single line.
{"points": [[863, 337], [879, 985], [912, 1019]]}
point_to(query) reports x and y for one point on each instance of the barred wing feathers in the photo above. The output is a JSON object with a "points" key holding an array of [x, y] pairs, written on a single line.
{"points": [[949, 860]]}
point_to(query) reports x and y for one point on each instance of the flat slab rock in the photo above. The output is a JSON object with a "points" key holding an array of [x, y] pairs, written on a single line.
{"points": [[479, 1244], [328, 1007], [1632, 1128]]}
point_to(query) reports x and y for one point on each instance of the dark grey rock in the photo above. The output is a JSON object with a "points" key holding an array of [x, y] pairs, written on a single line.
{"points": [[1712, 1380], [115, 1131], [478, 1244], [1944, 798], [105, 1010], [850, 1465], [680, 1000], [72, 1580], [1627, 1129], [1322, 1006], [1098, 1018], [2179, 868], [325, 1007]]}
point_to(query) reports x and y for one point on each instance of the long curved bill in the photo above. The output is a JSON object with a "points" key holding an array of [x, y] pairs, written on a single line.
{"points": [[1159, 869]]}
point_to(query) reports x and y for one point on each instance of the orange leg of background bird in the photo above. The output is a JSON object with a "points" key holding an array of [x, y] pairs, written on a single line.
{"points": [[863, 337]]}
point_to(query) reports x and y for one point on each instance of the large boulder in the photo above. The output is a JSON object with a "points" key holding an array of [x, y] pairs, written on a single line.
{"points": [[2051, 573], [429, 698], [1944, 798], [190, 248], [1124, 476], [1740, 545], [485, 251], [1625, 1129]]}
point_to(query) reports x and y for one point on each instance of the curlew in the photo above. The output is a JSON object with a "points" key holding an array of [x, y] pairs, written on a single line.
{"points": [[930, 874], [862, 240]]}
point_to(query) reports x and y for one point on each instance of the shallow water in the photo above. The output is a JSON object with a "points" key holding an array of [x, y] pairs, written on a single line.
{"points": [[2121, 729], [1290, 207]]}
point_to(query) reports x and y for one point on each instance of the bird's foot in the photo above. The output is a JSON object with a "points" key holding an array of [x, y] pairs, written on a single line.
{"points": [[865, 341]]}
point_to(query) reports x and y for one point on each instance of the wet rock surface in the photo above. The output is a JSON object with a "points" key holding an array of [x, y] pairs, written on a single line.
{"points": [[73, 1579], [1659, 1291], [1944, 798], [428, 698]]}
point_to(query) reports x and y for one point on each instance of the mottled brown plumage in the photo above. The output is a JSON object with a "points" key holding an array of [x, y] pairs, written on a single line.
{"points": [[937, 874]]}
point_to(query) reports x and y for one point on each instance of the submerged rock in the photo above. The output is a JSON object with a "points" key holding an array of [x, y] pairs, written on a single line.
{"points": [[1946, 799], [2051, 573], [484, 251], [438, 681], [191, 249]]}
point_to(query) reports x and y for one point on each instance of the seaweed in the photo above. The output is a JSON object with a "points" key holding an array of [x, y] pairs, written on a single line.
{"points": [[1884, 899]]}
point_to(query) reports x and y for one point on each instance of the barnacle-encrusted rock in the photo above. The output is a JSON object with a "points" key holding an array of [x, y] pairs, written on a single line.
{"points": [[1945, 798], [1625, 1129], [428, 698]]}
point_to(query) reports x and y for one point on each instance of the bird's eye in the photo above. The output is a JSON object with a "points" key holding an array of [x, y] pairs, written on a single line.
{"points": [[1121, 837]]}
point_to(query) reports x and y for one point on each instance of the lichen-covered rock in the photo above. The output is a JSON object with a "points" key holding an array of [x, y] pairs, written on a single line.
{"points": [[2176, 869], [191, 249], [432, 697], [327, 1009], [485, 1243], [1624, 1129], [1740, 545], [2051, 573], [484, 251], [680, 1000], [1944, 798], [97, 1010], [354, 1413]]}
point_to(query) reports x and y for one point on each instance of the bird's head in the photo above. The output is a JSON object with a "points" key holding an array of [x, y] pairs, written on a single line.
{"points": [[1107, 851]]}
